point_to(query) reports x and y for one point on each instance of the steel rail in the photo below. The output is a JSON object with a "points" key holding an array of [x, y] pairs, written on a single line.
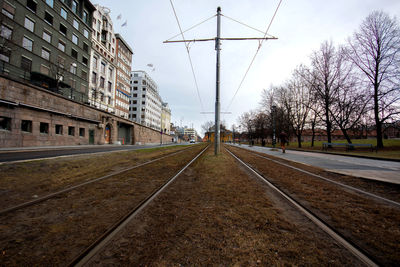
{"points": [[317, 221], [68, 189], [103, 240], [331, 181]]}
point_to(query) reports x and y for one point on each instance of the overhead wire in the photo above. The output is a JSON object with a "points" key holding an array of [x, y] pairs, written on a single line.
{"points": [[194, 26], [244, 24], [188, 52], [255, 55]]}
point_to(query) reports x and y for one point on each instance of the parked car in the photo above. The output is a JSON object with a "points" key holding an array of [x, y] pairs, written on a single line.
{"points": [[192, 141]]}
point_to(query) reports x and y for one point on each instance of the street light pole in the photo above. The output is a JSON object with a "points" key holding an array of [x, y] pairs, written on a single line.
{"points": [[273, 125]]}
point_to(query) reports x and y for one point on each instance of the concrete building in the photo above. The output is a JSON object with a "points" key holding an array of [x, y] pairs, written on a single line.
{"points": [[103, 68], [48, 43], [145, 102], [166, 118], [124, 64]]}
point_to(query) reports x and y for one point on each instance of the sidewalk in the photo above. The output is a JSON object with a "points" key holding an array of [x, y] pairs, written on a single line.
{"points": [[380, 170]]}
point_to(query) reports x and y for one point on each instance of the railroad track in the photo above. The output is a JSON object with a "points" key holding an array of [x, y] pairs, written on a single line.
{"points": [[85, 196], [74, 187], [102, 241], [348, 244], [352, 188]]}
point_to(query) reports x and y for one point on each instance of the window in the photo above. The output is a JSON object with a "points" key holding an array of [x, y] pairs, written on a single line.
{"points": [[103, 67], [47, 36], [109, 100], [109, 86], [75, 39], [134, 108], [44, 69], [45, 53], [144, 96], [74, 53], [134, 95], [85, 47], [101, 82], [94, 77], [48, 18], [49, 2], [61, 45], [44, 127], [94, 63], [5, 54], [27, 43], [134, 102], [73, 68], [5, 123], [59, 129], [143, 102], [76, 24], [84, 75], [101, 97], [8, 10], [110, 72], [135, 88], [63, 13], [74, 6], [29, 24], [31, 5], [82, 132], [26, 64], [144, 89], [61, 61], [86, 33], [26, 126], [135, 81], [71, 130], [63, 29], [6, 32], [84, 60], [85, 16]]}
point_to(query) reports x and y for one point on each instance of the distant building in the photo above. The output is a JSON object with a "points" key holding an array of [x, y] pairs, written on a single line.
{"points": [[190, 133], [102, 58], [124, 64], [48, 43], [166, 118], [145, 102]]}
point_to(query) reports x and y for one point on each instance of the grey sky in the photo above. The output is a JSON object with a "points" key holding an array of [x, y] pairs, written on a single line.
{"points": [[300, 25]]}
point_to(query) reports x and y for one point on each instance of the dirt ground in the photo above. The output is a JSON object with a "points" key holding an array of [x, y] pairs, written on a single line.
{"points": [[216, 214], [53, 232], [372, 225]]}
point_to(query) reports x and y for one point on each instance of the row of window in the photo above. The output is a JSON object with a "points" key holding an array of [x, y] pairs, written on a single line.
{"points": [[26, 126]]}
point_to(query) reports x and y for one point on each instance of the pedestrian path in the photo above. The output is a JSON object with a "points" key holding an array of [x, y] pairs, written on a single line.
{"points": [[380, 170]]}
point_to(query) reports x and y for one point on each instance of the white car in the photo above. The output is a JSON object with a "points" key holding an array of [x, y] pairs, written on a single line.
{"points": [[192, 141]]}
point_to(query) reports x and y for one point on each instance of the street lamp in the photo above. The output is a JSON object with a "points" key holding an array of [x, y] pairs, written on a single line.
{"points": [[273, 125]]}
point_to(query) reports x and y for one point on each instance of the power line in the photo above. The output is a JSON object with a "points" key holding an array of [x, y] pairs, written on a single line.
{"points": [[245, 25], [255, 55], [188, 52], [194, 26]]}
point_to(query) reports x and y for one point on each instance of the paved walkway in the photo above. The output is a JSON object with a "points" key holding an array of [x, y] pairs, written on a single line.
{"points": [[381, 170]]}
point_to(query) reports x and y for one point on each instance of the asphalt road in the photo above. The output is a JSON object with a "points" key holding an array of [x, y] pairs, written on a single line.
{"points": [[23, 154]]}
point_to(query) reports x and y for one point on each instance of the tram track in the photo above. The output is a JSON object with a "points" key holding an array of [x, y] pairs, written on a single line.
{"points": [[364, 257], [66, 223], [367, 221], [74, 187]]}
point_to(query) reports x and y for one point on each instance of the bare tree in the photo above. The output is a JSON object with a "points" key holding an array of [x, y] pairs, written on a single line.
{"points": [[207, 127], [375, 50]]}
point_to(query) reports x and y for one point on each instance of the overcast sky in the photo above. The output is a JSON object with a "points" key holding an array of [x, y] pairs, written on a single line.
{"points": [[300, 25]]}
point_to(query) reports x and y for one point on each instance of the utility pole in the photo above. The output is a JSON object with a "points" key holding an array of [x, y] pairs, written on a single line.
{"points": [[217, 102], [217, 89]]}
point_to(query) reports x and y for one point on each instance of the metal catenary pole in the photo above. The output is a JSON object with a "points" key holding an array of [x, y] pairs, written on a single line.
{"points": [[217, 102]]}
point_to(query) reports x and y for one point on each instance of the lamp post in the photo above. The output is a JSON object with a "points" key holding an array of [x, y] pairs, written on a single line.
{"points": [[73, 65], [273, 125]]}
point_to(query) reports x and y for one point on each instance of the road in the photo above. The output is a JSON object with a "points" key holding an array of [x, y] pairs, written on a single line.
{"points": [[380, 170], [31, 153]]}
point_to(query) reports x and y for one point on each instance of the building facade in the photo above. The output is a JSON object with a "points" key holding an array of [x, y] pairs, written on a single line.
{"points": [[145, 101], [123, 74], [166, 118], [103, 68], [48, 43]]}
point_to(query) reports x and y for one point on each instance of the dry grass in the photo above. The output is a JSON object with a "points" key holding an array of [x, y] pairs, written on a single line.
{"points": [[372, 225], [217, 215]]}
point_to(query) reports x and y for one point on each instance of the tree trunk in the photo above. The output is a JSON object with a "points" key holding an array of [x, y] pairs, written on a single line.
{"points": [[344, 131], [299, 140], [378, 123]]}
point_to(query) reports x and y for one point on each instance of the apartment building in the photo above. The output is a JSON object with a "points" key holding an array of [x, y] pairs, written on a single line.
{"points": [[47, 43], [145, 101], [166, 118], [123, 75], [103, 61]]}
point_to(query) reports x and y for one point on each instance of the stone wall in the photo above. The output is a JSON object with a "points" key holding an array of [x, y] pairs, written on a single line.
{"points": [[20, 101]]}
